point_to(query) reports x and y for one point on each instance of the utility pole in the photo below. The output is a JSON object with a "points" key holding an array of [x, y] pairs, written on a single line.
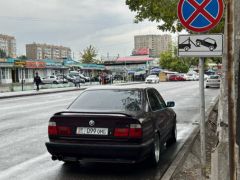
{"points": [[237, 76], [231, 119]]}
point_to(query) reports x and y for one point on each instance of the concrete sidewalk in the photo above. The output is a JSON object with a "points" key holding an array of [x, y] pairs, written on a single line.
{"points": [[53, 90]]}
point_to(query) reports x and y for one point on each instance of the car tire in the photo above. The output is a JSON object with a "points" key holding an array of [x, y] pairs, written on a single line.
{"points": [[173, 137], [55, 82], [207, 86], [156, 151]]}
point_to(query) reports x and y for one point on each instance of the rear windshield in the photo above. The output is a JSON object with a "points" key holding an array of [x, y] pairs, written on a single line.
{"points": [[108, 100], [152, 76], [214, 77]]}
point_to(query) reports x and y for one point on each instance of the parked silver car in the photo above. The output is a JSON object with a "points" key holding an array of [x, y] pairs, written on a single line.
{"points": [[213, 81], [50, 80]]}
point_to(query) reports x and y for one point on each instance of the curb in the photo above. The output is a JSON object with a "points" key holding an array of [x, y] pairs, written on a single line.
{"points": [[40, 93], [184, 151], [57, 91]]}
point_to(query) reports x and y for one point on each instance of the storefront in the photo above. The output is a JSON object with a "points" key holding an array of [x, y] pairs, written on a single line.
{"points": [[55, 68], [6, 66], [33, 67], [90, 70]]}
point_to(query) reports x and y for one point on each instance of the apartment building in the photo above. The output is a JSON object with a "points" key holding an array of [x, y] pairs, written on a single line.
{"points": [[156, 43], [44, 51], [8, 44]]}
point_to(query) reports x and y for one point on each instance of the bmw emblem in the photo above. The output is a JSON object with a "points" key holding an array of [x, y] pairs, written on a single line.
{"points": [[91, 123]]}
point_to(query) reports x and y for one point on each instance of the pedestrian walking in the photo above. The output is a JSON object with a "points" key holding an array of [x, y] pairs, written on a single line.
{"points": [[77, 81], [37, 81]]}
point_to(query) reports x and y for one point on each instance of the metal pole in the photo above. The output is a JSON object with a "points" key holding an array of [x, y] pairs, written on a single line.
{"points": [[22, 78], [231, 120], [202, 121], [63, 71]]}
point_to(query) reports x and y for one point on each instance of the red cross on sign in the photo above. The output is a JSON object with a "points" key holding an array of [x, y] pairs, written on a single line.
{"points": [[200, 15]]}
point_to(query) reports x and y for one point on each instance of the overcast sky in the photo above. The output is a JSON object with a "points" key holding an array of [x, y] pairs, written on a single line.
{"points": [[106, 24]]}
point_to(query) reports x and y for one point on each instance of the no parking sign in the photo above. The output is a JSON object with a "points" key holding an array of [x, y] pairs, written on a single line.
{"points": [[200, 15]]}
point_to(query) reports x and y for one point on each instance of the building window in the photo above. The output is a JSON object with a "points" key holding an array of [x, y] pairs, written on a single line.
{"points": [[26, 74], [5, 73]]}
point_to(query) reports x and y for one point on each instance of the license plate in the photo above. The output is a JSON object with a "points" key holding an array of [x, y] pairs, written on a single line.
{"points": [[92, 131]]}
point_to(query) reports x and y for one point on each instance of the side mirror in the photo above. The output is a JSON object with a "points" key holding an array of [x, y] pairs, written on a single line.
{"points": [[170, 104]]}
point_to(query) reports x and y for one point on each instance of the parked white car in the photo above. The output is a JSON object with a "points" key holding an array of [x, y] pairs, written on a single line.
{"points": [[152, 79], [50, 80], [191, 77], [213, 81]]}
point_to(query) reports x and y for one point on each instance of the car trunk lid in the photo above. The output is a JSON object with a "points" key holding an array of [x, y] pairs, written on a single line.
{"points": [[98, 127]]}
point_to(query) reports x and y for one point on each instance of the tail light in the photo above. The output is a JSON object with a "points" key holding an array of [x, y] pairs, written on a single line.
{"points": [[135, 131], [121, 132], [54, 130]]}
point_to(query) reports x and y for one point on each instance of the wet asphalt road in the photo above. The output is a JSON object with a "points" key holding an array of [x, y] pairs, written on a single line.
{"points": [[23, 132]]}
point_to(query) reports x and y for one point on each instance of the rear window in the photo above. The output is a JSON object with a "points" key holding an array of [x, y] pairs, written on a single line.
{"points": [[213, 77], [152, 76], [108, 100]]}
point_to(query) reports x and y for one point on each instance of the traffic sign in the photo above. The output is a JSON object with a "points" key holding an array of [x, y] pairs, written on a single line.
{"points": [[200, 15], [207, 45]]}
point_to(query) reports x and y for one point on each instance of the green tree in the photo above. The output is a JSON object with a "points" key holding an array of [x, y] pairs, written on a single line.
{"points": [[162, 11], [89, 54], [2, 54], [22, 57], [170, 61]]}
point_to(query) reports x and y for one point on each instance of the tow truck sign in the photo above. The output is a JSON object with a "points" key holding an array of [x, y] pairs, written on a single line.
{"points": [[207, 45]]}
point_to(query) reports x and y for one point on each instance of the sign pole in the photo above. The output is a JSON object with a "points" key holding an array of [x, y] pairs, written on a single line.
{"points": [[22, 78], [202, 119]]}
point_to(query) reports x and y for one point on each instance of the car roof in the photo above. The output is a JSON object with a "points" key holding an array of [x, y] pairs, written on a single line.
{"points": [[119, 87]]}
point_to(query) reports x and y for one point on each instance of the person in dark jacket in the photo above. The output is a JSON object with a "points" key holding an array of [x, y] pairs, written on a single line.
{"points": [[37, 81]]}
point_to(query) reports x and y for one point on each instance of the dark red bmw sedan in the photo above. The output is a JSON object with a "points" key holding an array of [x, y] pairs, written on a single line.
{"points": [[113, 124]]}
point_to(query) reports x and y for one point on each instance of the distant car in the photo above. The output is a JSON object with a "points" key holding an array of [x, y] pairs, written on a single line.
{"points": [[184, 76], [50, 80], [121, 124], [152, 79], [81, 79], [208, 42], [62, 78], [176, 77], [118, 77], [86, 78], [192, 77], [69, 78], [213, 81], [206, 76]]}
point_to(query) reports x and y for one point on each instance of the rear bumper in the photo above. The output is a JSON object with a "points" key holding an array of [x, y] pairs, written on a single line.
{"points": [[213, 84], [101, 152]]}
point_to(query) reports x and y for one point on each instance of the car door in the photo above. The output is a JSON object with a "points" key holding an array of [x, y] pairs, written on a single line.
{"points": [[158, 113], [169, 114]]}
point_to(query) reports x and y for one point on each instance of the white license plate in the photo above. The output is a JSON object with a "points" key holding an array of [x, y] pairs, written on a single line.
{"points": [[92, 131]]}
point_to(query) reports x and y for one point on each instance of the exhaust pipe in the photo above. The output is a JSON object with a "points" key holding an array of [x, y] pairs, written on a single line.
{"points": [[54, 158]]}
